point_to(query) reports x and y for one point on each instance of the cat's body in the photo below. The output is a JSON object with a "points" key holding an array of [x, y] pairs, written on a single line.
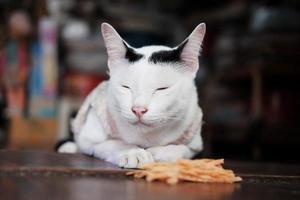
{"points": [[148, 110]]}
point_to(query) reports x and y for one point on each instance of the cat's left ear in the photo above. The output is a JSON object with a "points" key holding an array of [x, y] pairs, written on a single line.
{"points": [[191, 48]]}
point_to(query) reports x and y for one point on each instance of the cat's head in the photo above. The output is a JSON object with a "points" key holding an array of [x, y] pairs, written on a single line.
{"points": [[150, 86]]}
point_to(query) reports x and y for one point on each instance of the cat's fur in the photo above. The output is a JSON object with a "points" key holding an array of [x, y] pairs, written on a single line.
{"points": [[158, 79]]}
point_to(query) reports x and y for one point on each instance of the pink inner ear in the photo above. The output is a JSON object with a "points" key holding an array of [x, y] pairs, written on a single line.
{"points": [[192, 48], [113, 42]]}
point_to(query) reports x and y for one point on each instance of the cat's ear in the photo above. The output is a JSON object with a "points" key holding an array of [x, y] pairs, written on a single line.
{"points": [[191, 47], [115, 45]]}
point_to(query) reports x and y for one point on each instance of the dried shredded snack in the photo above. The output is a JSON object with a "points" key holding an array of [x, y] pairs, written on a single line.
{"points": [[203, 170]]}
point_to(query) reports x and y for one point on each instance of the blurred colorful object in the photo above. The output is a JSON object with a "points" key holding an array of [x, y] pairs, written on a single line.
{"points": [[80, 85], [15, 63], [44, 73]]}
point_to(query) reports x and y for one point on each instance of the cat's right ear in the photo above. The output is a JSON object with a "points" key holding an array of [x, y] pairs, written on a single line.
{"points": [[115, 47]]}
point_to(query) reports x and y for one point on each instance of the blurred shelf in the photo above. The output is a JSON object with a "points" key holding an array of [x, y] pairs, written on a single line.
{"points": [[269, 72], [32, 133]]}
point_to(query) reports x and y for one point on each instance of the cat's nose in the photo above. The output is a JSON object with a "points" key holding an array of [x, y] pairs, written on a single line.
{"points": [[139, 111]]}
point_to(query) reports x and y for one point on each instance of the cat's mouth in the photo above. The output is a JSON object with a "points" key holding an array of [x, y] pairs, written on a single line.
{"points": [[140, 122]]}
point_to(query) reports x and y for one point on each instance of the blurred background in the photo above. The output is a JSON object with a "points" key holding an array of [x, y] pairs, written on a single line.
{"points": [[52, 55]]}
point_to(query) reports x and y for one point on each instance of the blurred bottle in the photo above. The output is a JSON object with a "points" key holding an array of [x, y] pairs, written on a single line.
{"points": [[15, 61], [43, 79]]}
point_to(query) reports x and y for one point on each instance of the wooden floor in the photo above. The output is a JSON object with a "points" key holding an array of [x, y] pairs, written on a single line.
{"points": [[44, 175]]}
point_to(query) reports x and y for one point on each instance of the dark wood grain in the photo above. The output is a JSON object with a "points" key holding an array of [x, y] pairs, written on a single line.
{"points": [[45, 175], [38, 159]]}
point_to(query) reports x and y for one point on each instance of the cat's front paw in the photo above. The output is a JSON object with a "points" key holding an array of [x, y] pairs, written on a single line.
{"points": [[134, 158], [169, 153]]}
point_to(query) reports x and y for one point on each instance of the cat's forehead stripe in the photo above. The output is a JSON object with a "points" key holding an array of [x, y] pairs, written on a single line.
{"points": [[155, 54], [131, 55], [167, 56]]}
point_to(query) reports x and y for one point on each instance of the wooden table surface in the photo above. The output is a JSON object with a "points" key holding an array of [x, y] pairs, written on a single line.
{"points": [[46, 175]]}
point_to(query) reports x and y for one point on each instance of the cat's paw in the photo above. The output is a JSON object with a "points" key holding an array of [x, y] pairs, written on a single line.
{"points": [[135, 158], [169, 153], [68, 147]]}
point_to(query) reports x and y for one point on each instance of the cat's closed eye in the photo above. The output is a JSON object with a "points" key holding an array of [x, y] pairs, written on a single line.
{"points": [[162, 88], [125, 86]]}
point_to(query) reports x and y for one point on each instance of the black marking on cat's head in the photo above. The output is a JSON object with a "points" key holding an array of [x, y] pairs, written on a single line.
{"points": [[131, 54], [167, 56]]}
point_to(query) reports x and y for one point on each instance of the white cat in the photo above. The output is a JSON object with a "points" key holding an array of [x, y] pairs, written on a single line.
{"points": [[147, 111]]}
